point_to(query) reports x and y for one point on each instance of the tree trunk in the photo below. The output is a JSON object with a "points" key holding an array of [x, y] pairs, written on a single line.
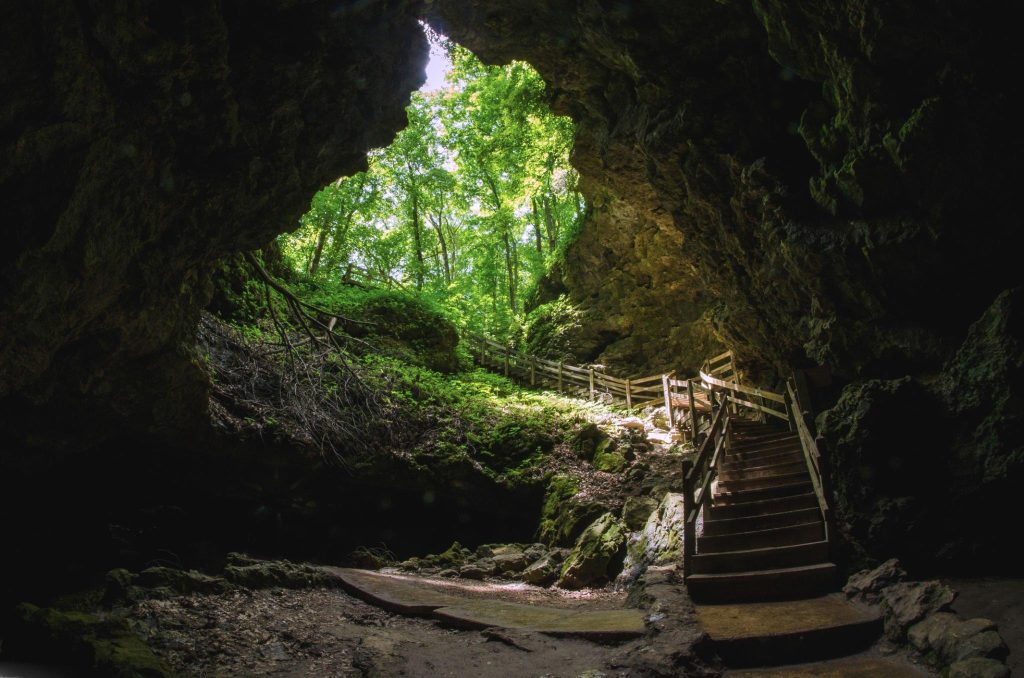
{"points": [[551, 223], [314, 262], [438, 224], [536, 226], [417, 237]]}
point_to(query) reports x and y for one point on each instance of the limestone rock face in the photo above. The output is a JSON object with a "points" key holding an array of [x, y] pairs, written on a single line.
{"points": [[794, 180], [660, 542], [596, 551], [810, 184]]}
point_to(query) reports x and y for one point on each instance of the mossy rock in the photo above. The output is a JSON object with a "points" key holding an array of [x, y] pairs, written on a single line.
{"points": [[563, 517], [589, 440], [277, 573], [610, 462], [636, 511], [91, 645], [599, 551]]}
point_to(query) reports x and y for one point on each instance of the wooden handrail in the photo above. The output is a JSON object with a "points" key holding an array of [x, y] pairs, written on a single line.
{"points": [[812, 455], [733, 386]]}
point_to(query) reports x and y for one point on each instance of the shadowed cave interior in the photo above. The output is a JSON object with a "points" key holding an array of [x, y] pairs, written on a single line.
{"points": [[824, 190]]}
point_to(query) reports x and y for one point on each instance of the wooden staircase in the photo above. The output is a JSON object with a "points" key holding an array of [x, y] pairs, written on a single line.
{"points": [[764, 535], [757, 539]]}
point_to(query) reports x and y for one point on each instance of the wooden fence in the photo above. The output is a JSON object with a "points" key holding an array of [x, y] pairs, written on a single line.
{"points": [[703, 407], [686, 401]]}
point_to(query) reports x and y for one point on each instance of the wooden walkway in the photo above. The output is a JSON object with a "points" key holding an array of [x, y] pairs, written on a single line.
{"points": [[758, 533]]}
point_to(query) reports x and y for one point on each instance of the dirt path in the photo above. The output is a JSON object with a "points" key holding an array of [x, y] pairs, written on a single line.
{"points": [[325, 632]]}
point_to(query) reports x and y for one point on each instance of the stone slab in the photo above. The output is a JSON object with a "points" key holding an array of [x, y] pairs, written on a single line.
{"points": [[403, 595], [393, 593], [754, 620], [593, 624]]}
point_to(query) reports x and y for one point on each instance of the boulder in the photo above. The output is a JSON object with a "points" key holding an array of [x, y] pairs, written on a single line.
{"points": [[277, 573], [88, 644], [610, 462], [945, 639], [978, 667], [544, 571], [660, 542], [636, 511], [595, 554], [660, 437], [632, 423], [478, 569], [510, 562], [907, 603], [565, 513], [868, 584]]}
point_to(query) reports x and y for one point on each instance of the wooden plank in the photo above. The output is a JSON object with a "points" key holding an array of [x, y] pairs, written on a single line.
{"points": [[750, 390], [668, 401], [721, 356], [655, 378], [693, 409], [810, 450], [759, 408]]}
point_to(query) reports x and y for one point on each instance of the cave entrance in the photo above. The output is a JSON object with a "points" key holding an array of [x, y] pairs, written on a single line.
{"points": [[468, 207]]}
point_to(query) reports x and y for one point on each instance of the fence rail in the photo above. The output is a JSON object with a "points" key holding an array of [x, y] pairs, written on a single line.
{"points": [[701, 407]]}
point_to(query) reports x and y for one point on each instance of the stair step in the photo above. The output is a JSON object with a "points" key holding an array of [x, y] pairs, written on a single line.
{"points": [[726, 473], [726, 511], [774, 459], [747, 442], [754, 451], [790, 535], [773, 633], [765, 482], [763, 521], [760, 558], [783, 583], [743, 496]]}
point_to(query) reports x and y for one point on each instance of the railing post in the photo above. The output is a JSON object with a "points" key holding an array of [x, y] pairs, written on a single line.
{"points": [[668, 401], [560, 363], [689, 526], [693, 410], [629, 398], [791, 407], [533, 371], [591, 383], [506, 360], [825, 477]]}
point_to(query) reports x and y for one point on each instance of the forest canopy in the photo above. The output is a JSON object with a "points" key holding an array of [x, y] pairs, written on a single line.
{"points": [[468, 207]]}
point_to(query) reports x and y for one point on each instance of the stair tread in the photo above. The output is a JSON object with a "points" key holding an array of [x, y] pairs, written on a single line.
{"points": [[753, 620], [764, 550], [779, 515], [795, 569], [792, 474], [734, 496], [795, 460], [755, 533]]}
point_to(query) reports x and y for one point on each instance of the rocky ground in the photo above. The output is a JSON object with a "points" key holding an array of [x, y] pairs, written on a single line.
{"points": [[326, 632]]}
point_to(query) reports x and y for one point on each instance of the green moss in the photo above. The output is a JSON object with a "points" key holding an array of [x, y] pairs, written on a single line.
{"points": [[103, 647], [549, 329], [597, 552], [610, 462], [563, 517]]}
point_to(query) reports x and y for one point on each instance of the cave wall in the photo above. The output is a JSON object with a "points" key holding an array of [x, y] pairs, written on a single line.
{"points": [[814, 185], [819, 184], [144, 140], [810, 184]]}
